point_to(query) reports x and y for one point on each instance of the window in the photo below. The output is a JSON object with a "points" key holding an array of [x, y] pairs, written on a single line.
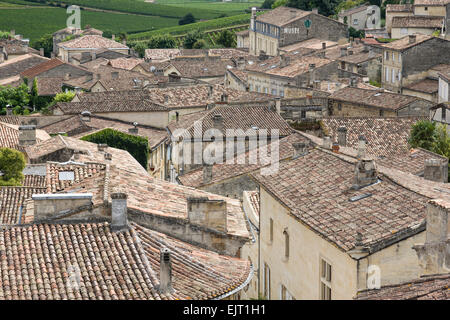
{"points": [[325, 280], [403, 30], [271, 230], [285, 295], [266, 281], [426, 8], [342, 65], [303, 114], [265, 90], [399, 76], [381, 113], [274, 92], [393, 76], [386, 74], [393, 56], [355, 21], [286, 242], [386, 55], [281, 93], [339, 106]]}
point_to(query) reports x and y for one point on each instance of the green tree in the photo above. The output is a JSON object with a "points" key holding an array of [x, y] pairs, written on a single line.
{"points": [[199, 44], [17, 97], [191, 38], [188, 18], [162, 42], [4, 34], [64, 97], [12, 163], [107, 34], [325, 7], [34, 94], [348, 4], [227, 39], [423, 135], [140, 47], [267, 4], [442, 141], [46, 42], [352, 32], [279, 3]]}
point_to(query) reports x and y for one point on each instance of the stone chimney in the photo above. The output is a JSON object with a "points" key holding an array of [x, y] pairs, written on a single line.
{"points": [[134, 129], [361, 147], [86, 116], [278, 105], [436, 170], [207, 173], [365, 173], [165, 271], [300, 149], [412, 38], [210, 91], [207, 213], [218, 122], [108, 156], [284, 60], [9, 110], [326, 142], [343, 52], [342, 136], [324, 45], [224, 98], [41, 52], [434, 254], [52, 55], [27, 135], [119, 220], [102, 146], [350, 52], [50, 205]]}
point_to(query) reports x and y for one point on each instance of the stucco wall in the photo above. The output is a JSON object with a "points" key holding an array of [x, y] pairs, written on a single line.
{"points": [[155, 119]]}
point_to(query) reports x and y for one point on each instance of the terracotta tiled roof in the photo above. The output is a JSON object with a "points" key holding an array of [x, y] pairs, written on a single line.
{"points": [[297, 66], [221, 172], [112, 95], [161, 54], [307, 46], [125, 63], [11, 201], [425, 85], [110, 106], [245, 118], [316, 189], [16, 120], [15, 65], [34, 180], [375, 98], [49, 86], [359, 58], [228, 53], [198, 95], [417, 22], [403, 43], [240, 74], [40, 68], [254, 200], [282, 16], [399, 8], [9, 136], [92, 42], [387, 140], [111, 266], [14, 46], [434, 287], [201, 67]]}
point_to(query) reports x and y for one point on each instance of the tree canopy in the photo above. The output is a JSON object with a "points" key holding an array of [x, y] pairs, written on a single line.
{"points": [[12, 163], [188, 18]]}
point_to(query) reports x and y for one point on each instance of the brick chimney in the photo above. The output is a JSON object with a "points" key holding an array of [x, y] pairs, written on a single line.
{"points": [[365, 173], [412, 38], [27, 135], [436, 170], [342, 136], [300, 149], [165, 271], [434, 254], [119, 219], [208, 213], [207, 173]]}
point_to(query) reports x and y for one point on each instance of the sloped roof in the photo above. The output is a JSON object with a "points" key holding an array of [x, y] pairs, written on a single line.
{"points": [[16, 65], [433, 287], [92, 42], [111, 266], [281, 16], [11, 201], [43, 67], [399, 8], [426, 85], [417, 22], [110, 106], [316, 189], [403, 43], [431, 2], [375, 98]]}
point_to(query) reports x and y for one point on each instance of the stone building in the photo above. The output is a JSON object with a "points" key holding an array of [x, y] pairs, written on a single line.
{"points": [[440, 113], [365, 62], [354, 17], [408, 59], [242, 39], [332, 209], [356, 102], [409, 25], [284, 26], [444, 85], [397, 10]]}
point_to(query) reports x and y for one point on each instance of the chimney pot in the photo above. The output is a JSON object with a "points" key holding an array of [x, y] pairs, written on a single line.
{"points": [[165, 274], [362, 141], [324, 45], [108, 156], [119, 220], [218, 121], [9, 110], [335, 147], [412, 38], [327, 142], [300, 149], [207, 173], [342, 136]]}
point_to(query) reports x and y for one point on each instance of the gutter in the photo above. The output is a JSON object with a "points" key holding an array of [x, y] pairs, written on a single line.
{"points": [[239, 288]]}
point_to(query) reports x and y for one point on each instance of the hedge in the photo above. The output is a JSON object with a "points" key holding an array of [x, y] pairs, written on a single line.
{"points": [[135, 145]]}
